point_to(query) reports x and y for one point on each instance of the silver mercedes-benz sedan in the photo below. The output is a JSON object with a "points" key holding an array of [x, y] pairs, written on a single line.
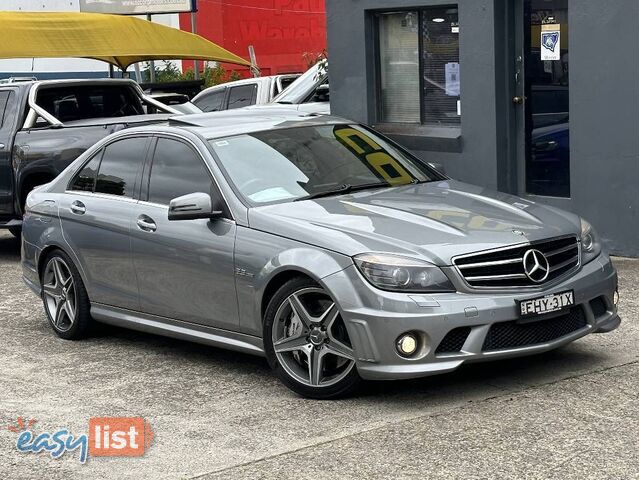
{"points": [[313, 241]]}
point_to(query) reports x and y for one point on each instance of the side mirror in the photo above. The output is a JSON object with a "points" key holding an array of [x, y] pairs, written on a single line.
{"points": [[192, 206], [322, 94]]}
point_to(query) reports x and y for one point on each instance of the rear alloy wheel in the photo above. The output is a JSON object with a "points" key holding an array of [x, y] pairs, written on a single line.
{"points": [[307, 343], [65, 299]]}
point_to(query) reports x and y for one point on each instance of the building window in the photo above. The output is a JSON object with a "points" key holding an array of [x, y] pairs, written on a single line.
{"points": [[419, 66]]}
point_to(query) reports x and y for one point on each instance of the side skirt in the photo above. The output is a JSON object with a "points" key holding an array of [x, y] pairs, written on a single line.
{"points": [[177, 329]]}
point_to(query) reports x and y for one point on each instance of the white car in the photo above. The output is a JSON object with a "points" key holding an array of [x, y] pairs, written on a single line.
{"points": [[243, 93], [309, 93]]}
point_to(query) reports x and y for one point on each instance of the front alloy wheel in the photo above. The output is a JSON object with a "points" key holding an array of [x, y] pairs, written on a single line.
{"points": [[307, 343]]}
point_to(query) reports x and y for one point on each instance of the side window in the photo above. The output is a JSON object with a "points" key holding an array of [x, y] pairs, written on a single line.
{"points": [[4, 101], [212, 102], [242, 96], [177, 170], [419, 66], [120, 165], [85, 179]]}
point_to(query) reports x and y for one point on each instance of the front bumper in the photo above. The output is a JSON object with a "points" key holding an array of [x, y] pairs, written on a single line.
{"points": [[374, 319]]}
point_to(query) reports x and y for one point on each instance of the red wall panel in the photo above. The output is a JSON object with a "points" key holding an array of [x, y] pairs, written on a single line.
{"points": [[281, 31]]}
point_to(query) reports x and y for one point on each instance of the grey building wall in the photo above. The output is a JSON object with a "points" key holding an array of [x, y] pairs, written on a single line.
{"points": [[604, 100], [604, 105]]}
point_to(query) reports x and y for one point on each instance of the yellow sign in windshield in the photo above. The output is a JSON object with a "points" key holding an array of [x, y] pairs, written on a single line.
{"points": [[374, 155]]}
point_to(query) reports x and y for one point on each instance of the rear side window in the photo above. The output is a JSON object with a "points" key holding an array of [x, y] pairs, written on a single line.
{"points": [[4, 102], [85, 180], [70, 103], [242, 96], [177, 170], [211, 102], [120, 165]]}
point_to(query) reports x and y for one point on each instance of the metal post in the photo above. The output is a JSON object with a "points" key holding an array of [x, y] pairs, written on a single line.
{"points": [[196, 64], [151, 63], [138, 75], [254, 70], [110, 70]]}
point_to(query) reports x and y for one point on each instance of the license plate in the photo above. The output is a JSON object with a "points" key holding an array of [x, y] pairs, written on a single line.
{"points": [[546, 304]]}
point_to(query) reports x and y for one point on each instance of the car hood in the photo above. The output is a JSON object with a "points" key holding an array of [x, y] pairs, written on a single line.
{"points": [[434, 221]]}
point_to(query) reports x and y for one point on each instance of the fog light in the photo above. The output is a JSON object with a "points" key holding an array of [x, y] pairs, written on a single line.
{"points": [[615, 298], [407, 344]]}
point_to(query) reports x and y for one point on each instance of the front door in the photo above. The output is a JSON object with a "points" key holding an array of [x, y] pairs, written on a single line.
{"points": [[542, 99], [184, 267]]}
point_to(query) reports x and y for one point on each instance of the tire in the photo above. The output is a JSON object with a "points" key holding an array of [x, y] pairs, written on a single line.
{"points": [[306, 342], [15, 231], [65, 298]]}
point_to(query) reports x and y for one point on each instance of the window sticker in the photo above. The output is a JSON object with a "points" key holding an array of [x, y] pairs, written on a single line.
{"points": [[551, 42], [452, 79]]}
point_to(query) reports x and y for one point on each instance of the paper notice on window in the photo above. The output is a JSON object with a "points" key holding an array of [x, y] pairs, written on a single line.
{"points": [[452, 79], [551, 42]]}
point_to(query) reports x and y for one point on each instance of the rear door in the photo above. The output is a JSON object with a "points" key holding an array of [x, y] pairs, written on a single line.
{"points": [[184, 268], [8, 119], [97, 213]]}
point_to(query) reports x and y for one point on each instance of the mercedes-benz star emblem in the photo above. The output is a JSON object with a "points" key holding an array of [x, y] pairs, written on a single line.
{"points": [[536, 266]]}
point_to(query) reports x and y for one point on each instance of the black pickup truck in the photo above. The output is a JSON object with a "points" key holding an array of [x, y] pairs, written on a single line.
{"points": [[45, 125]]}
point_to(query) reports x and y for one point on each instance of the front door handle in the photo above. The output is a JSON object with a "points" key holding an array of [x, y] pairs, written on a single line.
{"points": [[146, 223], [518, 100], [78, 208]]}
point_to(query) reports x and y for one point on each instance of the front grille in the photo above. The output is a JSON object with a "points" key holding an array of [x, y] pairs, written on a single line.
{"points": [[453, 341], [504, 268], [506, 335], [598, 306]]}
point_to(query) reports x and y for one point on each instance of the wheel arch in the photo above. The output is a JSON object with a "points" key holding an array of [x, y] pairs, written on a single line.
{"points": [[276, 282], [298, 262], [46, 251]]}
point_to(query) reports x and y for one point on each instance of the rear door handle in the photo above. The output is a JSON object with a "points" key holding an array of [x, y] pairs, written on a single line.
{"points": [[146, 223], [78, 208]]}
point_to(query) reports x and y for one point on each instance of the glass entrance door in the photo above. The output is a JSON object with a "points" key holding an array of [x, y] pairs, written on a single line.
{"points": [[543, 92]]}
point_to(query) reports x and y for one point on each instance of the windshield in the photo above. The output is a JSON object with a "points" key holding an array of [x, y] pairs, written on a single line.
{"points": [[288, 164], [304, 86]]}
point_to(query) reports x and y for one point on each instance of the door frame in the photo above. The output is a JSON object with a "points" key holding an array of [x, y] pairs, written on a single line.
{"points": [[520, 142]]}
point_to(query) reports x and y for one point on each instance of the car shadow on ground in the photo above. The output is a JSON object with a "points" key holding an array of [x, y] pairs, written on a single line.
{"points": [[519, 372], [478, 378]]}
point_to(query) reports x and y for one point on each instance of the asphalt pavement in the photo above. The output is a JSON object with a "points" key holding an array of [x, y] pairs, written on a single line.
{"points": [[570, 413]]}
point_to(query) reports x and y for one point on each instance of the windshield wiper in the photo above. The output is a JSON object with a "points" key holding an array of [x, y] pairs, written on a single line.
{"points": [[341, 189]]}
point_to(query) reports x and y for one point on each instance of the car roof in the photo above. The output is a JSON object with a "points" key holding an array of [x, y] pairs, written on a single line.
{"points": [[240, 121]]}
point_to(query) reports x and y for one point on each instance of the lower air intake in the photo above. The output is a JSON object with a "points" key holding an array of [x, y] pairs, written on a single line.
{"points": [[505, 335], [454, 340]]}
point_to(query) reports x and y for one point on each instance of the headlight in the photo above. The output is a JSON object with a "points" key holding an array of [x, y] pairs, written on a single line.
{"points": [[399, 274], [590, 244]]}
